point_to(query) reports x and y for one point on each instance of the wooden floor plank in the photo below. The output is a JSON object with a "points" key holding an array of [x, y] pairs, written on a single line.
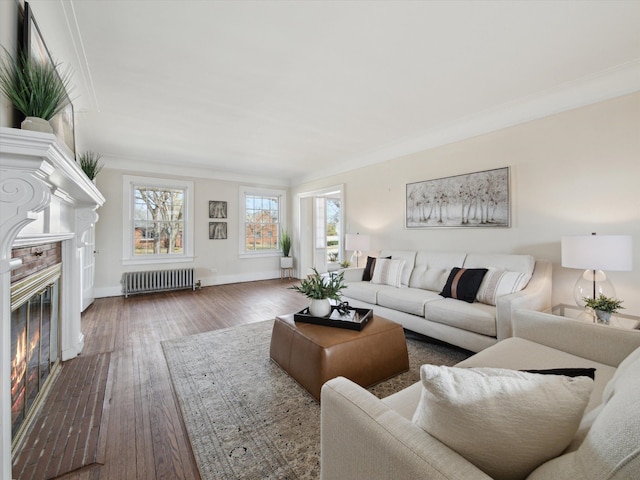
{"points": [[142, 435]]}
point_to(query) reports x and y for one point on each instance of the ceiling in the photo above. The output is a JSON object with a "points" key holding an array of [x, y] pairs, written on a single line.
{"points": [[288, 91]]}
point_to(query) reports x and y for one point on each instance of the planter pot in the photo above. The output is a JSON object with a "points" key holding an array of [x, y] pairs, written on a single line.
{"points": [[286, 262], [603, 317], [320, 308], [36, 124]]}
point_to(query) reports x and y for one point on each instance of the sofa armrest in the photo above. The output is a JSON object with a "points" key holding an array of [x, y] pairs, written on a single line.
{"points": [[353, 274], [600, 343], [536, 296], [364, 439]]}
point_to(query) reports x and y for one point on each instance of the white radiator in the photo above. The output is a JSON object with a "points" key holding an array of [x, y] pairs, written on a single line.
{"points": [[158, 281]]}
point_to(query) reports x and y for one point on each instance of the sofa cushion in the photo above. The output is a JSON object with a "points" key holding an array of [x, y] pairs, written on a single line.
{"points": [[409, 257], [611, 448], [503, 421], [388, 272], [512, 263], [497, 283], [431, 270], [474, 317], [463, 283], [363, 291], [408, 300]]}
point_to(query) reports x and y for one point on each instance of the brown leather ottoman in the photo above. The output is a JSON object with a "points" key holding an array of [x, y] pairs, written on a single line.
{"points": [[313, 354]]}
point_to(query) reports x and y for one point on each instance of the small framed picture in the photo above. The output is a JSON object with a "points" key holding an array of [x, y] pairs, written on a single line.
{"points": [[217, 230], [217, 209]]}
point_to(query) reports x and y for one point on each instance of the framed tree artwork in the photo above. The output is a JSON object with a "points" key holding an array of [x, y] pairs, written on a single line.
{"points": [[217, 230], [472, 200], [217, 209]]}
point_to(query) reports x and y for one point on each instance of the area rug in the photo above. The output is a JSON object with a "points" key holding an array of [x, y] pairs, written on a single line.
{"points": [[246, 418]]}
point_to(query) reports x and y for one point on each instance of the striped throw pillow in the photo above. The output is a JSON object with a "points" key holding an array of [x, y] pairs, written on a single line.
{"points": [[388, 272]]}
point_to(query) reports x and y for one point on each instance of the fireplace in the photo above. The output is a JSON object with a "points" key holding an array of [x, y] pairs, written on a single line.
{"points": [[48, 204], [35, 343]]}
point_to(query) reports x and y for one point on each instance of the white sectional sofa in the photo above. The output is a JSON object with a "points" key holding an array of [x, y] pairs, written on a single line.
{"points": [[416, 304], [365, 438]]}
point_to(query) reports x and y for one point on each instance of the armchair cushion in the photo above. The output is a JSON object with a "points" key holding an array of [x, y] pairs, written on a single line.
{"points": [[503, 421]]}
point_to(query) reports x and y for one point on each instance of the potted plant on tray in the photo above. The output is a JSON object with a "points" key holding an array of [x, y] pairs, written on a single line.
{"points": [[36, 89], [603, 306], [320, 289]]}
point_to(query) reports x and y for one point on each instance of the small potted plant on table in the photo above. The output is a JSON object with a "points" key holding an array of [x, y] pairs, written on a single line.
{"points": [[603, 307], [320, 289]]}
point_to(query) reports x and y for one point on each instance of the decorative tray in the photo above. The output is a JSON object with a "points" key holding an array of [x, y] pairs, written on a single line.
{"points": [[353, 319]]}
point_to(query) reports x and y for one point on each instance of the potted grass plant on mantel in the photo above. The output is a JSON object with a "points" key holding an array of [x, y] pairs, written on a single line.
{"points": [[35, 89], [90, 163]]}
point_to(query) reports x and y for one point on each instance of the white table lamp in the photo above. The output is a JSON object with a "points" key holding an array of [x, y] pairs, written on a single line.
{"points": [[358, 243], [596, 253]]}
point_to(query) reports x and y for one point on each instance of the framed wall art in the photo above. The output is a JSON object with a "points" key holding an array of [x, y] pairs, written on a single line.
{"points": [[217, 230], [33, 46], [480, 199], [217, 209]]}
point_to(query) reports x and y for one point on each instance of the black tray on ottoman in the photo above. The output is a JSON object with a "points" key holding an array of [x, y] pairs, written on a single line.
{"points": [[354, 319]]}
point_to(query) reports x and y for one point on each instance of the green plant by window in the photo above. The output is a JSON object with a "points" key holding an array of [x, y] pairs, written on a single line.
{"points": [[90, 163], [345, 264], [319, 287], [285, 242], [604, 303], [35, 89]]}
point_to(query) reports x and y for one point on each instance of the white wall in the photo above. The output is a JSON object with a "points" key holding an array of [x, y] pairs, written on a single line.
{"points": [[216, 261], [573, 173]]}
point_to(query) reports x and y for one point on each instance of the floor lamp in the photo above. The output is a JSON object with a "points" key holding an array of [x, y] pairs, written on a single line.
{"points": [[595, 253], [358, 243]]}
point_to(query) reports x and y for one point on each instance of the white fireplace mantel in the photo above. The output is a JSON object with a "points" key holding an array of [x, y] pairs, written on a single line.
{"points": [[44, 197]]}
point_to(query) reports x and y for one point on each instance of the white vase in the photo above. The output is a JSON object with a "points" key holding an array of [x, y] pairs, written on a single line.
{"points": [[36, 124], [286, 262], [320, 308]]}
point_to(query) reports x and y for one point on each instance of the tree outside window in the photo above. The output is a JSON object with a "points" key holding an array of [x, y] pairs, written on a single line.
{"points": [[158, 221], [157, 215]]}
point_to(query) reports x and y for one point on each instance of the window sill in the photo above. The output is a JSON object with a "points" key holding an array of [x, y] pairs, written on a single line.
{"points": [[260, 255], [156, 260]]}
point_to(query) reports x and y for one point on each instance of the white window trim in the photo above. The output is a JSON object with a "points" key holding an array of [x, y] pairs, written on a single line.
{"points": [[128, 182], [282, 215]]}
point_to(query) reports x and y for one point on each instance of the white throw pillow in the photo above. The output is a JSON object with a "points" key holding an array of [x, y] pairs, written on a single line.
{"points": [[388, 272], [497, 283], [503, 421]]}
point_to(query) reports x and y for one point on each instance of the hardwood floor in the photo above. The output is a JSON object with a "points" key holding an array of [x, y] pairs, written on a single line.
{"points": [[142, 435]]}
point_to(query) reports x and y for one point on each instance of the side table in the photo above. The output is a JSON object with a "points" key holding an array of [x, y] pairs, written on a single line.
{"points": [[620, 320]]}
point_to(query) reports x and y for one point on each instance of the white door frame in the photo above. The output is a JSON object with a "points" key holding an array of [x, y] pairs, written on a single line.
{"points": [[305, 236]]}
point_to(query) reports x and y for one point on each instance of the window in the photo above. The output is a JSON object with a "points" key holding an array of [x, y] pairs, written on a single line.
{"points": [[158, 220], [261, 219]]}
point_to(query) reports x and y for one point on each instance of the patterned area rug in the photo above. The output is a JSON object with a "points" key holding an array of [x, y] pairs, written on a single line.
{"points": [[246, 418]]}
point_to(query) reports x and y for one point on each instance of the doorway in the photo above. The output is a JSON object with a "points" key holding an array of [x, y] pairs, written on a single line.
{"points": [[320, 230]]}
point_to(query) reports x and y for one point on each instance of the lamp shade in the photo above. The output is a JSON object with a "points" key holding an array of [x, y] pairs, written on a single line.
{"points": [[597, 252], [356, 242]]}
